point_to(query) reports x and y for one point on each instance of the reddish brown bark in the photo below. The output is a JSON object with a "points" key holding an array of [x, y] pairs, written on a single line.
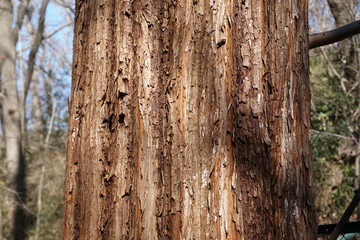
{"points": [[189, 120]]}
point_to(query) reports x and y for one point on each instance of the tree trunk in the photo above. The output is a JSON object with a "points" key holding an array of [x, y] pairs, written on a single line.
{"points": [[34, 48], [348, 56], [15, 165], [189, 120], [343, 11], [37, 114]]}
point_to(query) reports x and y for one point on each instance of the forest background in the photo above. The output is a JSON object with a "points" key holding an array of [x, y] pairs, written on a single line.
{"points": [[43, 87]]}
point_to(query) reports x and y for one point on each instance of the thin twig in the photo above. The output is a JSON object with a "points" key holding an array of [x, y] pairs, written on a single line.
{"points": [[57, 30], [21, 203], [332, 134]]}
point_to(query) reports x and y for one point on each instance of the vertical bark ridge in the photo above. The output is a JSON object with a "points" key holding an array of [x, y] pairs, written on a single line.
{"points": [[153, 51], [250, 134], [281, 188], [187, 119]]}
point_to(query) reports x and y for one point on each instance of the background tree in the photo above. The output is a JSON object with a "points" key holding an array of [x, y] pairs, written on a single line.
{"points": [[335, 109], [24, 53], [190, 119], [15, 164]]}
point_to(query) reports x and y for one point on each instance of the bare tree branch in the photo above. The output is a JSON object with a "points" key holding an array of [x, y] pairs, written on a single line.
{"points": [[35, 47], [66, 5], [21, 203], [338, 34], [20, 19], [332, 134], [345, 217], [58, 29]]}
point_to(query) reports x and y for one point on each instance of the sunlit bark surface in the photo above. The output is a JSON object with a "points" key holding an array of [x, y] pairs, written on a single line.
{"points": [[189, 120]]}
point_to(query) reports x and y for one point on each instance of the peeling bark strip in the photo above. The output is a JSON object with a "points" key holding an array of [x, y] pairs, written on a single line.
{"points": [[189, 120]]}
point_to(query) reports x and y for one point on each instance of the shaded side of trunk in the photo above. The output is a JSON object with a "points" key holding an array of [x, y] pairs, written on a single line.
{"points": [[15, 165], [189, 120], [272, 131]]}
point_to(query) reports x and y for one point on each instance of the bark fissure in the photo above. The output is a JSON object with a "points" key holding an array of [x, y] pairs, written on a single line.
{"points": [[193, 116]]}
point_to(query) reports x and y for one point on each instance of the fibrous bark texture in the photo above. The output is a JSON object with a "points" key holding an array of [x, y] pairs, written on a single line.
{"points": [[189, 120]]}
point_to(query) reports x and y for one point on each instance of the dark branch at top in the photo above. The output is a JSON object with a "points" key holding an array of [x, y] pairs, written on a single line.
{"points": [[338, 34]]}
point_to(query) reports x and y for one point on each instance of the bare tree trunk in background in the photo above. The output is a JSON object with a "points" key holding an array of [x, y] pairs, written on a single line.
{"points": [[37, 111], [43, 171], [15, 165], [48, 98], [189, 120], [34, 48], [348, 58], [344, 13]]}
